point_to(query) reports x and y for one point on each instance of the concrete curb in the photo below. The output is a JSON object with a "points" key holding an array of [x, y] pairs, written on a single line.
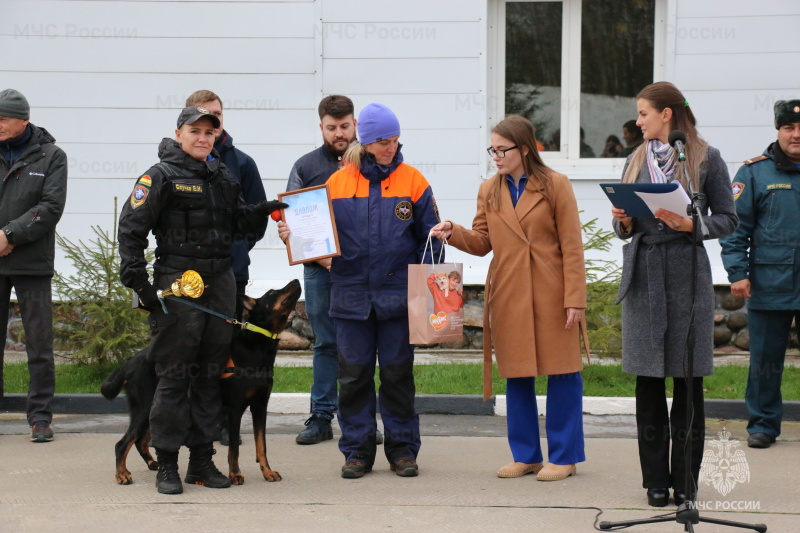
{"points": [[298, 403]]}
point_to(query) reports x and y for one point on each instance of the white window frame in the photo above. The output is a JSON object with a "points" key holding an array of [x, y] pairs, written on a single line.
{"points": [[569, 157]]}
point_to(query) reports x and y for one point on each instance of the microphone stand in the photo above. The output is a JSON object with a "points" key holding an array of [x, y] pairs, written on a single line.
{"points": [[688, 514]]}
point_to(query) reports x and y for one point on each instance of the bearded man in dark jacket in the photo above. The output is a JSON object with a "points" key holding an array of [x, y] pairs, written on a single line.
{"points": [[32, 197]]}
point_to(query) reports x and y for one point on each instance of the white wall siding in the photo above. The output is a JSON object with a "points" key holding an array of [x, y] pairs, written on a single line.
{"points": [[107, 79], [737, 8], [729, 65]]}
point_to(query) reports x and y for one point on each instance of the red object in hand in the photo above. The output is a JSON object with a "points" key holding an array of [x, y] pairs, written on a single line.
{"points": [[276, 215]]}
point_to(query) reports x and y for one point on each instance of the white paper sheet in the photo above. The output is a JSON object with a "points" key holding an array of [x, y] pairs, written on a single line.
{"points": [[676, 201]]}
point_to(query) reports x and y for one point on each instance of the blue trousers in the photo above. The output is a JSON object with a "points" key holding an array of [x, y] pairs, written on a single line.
{"points": [[563, 424], [325, 363], [769, 333], [361, 343]]}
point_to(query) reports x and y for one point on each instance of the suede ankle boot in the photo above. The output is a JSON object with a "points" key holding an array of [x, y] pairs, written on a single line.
{"points": [[201, 469], [167, 480]]}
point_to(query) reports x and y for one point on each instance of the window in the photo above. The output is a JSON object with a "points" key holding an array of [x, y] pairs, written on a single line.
{"points": [[573, 67]]}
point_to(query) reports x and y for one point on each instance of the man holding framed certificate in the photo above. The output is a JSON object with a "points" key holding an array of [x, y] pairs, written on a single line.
{"points": [[338, 126]]}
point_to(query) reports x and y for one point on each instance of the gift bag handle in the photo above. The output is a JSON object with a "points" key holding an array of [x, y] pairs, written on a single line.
{"points": [[425, 250]]}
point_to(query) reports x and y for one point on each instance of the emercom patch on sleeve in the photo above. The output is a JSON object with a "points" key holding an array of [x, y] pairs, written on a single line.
{"points": [[737, 188], [140, 191]]}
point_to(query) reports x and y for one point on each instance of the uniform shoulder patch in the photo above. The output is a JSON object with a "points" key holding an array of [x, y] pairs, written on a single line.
{"points": [[737, 188], [756, 159], [403, 210], [139, 195], [436, 210], [145, 181]]}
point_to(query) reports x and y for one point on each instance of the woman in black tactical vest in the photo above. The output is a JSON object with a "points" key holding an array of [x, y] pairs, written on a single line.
{"points": [[194, 207]]}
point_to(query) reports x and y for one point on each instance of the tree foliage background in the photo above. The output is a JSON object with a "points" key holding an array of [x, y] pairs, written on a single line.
{"points": [[94, 321]]}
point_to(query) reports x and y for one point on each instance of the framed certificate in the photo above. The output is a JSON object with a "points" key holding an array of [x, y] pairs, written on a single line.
{"points": [[310, 218]]}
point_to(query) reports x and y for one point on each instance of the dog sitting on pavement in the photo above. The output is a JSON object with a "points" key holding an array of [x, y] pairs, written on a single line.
{"points": [[247, 382]]}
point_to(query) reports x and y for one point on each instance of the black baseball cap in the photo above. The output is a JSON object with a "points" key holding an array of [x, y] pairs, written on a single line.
{"points": [[193, 113]]}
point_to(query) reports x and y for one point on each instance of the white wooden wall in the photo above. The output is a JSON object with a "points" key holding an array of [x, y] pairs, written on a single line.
{"points": [[107, 79]]}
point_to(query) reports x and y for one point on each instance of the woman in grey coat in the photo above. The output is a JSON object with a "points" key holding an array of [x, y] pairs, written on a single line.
{"points": [[655, 291]]}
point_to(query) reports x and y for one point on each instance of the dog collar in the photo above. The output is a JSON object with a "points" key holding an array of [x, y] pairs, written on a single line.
{"points": [[265, 332]]}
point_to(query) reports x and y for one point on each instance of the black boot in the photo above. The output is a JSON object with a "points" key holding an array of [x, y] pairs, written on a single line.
{"points": [[201, 469], [167, 480]]}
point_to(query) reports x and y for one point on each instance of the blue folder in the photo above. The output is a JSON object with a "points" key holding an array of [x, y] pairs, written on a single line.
{"points": [[623, 196]]}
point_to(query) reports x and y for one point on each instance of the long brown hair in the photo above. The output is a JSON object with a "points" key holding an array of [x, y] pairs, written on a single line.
{"points": [[662, 95], [520, 131]]}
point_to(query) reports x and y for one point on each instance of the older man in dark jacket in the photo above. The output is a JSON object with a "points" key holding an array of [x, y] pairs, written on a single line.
{"points": [[32, 196]]}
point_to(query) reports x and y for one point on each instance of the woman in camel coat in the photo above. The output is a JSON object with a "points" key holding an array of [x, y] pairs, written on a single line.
{"points": [[535, 297]]}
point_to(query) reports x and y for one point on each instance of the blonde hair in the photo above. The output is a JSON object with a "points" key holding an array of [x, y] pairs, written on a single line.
{"points": [[521, 132], [662, 95], [355, 152]]}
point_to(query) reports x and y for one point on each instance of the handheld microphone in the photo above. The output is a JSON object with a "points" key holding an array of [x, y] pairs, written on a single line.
{"points": [[678, 141]]}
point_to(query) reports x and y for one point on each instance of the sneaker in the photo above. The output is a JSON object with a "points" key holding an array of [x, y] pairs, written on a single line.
{"points": [[41, 432], [318, 429], [378, 437], [355, 469], [405, 467]]}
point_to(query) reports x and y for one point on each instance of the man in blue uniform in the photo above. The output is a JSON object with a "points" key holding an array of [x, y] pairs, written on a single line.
{"points": [[762, 258]]}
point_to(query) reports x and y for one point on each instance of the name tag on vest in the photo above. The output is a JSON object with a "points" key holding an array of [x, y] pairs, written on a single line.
{"points": [[779, 186], [191, 189]]}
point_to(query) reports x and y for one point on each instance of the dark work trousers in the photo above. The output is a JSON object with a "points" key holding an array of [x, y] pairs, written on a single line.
{"points": [[360, 343], [656, 427], [769, 334], [190, 349], [36, 306]]}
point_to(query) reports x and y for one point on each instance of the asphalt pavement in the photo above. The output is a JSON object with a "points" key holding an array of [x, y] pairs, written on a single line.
{"points": [[68, 485]]}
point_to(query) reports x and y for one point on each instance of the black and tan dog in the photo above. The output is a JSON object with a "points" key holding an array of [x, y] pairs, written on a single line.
{"points": [[248, 383]]}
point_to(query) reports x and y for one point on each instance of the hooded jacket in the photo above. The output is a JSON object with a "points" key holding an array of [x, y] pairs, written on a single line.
{"points": [[383, 217], [32, 197], [194, 208]]}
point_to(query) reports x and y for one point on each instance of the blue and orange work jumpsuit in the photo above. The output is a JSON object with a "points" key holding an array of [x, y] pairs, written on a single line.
{"points": [[383, 226]]}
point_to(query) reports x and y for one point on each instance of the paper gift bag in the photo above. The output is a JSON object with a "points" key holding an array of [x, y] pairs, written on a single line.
{"points": [[435, 303]]}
